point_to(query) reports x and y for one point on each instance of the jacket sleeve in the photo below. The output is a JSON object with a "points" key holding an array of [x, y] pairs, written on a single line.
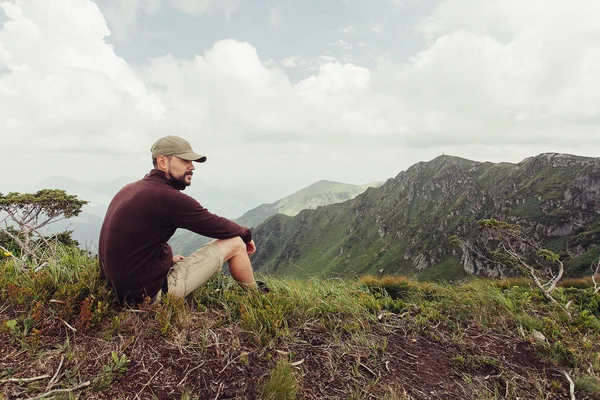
{"points": [[183, 211]]}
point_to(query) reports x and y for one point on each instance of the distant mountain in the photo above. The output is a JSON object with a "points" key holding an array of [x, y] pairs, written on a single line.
{"points": [[403, 226], [318, 194]]}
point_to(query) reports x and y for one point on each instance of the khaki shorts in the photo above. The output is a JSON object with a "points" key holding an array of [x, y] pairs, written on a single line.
{"points": [[189, 274]]}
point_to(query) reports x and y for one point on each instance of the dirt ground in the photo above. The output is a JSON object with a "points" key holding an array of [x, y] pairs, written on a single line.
{"points": [[388, 362]]}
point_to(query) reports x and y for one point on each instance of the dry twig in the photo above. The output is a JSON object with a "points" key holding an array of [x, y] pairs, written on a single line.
{"points": [[54, 379], [137, 396], [571, 384], [24, 380], [369, 369], [408, 354], [217, 347], [57, 391], [188, 372], [67, 324]]}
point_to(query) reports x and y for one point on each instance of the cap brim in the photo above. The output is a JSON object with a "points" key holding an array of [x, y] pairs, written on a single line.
{"points": [[192, 157]]}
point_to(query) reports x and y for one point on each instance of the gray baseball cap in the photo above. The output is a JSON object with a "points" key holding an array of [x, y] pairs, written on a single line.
{"points": [[175, 146]]}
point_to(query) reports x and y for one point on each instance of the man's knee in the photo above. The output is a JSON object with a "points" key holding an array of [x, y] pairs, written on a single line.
{"points": [[231, 247]]}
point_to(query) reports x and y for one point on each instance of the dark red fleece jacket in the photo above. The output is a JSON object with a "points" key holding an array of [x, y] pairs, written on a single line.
{"points": [[142, 217]]}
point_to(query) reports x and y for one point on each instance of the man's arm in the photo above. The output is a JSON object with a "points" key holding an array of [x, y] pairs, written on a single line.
{"points": [[185, 212]]}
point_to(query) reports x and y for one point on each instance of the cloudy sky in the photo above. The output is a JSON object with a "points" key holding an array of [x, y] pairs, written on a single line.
{"points": [[280, 94]]}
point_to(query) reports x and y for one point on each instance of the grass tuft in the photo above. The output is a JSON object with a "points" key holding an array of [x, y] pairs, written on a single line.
{"points": [[281, 384]]}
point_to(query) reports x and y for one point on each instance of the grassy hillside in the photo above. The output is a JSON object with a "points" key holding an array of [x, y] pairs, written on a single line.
{"points": [[403, 226], [62, 335]]}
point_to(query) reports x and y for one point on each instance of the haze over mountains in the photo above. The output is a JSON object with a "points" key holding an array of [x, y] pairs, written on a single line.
{"points": [[226, 201], [318, 194]]}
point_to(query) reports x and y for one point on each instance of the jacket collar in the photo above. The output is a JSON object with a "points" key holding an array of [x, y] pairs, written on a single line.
{"points": [[158, 175]]}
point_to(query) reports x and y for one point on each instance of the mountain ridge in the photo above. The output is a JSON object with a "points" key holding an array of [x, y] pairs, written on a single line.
{"points": [[402, 227]]}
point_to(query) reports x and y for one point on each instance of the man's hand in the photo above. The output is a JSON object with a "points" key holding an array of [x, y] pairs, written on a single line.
{"points": [[178, 258], [250, 247]]}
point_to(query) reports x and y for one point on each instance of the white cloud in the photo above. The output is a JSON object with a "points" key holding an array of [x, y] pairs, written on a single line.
{"points": [[289, 62], [511, 69], [528, 88], [228, 96], [66, 95], [500, 82]]}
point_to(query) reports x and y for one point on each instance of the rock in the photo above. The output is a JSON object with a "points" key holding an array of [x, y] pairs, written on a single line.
{"points": [[539, 336]]}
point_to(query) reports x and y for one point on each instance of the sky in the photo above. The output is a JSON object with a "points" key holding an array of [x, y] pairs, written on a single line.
{"points": [[281, 94]]}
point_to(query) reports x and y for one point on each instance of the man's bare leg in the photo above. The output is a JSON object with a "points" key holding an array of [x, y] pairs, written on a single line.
{"points": [[236, 252]]}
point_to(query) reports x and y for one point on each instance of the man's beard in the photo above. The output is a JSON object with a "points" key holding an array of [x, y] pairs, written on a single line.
{"points": [[180, 180]]}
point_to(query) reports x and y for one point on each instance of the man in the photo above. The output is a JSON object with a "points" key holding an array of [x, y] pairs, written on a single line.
{"points": [[133, 249]]}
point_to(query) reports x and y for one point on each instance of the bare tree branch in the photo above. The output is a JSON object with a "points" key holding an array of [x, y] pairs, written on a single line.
{"points": [[596, 272]]}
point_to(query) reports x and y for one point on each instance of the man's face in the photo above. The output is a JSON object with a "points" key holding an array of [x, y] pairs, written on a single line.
{"points": [[180, 170]]}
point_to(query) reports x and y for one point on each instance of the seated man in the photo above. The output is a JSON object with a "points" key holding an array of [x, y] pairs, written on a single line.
{"points": [[133, 250]]}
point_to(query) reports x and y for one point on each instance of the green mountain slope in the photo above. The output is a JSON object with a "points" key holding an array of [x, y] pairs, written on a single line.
{"points": [[318, 194], [403, 226]]}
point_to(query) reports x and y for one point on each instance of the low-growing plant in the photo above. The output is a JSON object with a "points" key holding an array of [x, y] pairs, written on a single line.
{"points": [[473, 363], [281, 383], [112, 370], [265, 318], [587, 384], [169, 313], [559, 352]]}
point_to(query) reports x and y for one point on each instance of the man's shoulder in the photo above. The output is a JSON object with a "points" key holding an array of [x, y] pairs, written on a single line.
{"points": [[176, 195], [134, 186]]}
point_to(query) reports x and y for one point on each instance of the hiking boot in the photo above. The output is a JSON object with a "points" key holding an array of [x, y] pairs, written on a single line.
{"points": [[262, 287]]}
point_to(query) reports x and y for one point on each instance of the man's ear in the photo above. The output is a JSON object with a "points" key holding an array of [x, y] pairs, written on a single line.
{"points": [[162, 162]]}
